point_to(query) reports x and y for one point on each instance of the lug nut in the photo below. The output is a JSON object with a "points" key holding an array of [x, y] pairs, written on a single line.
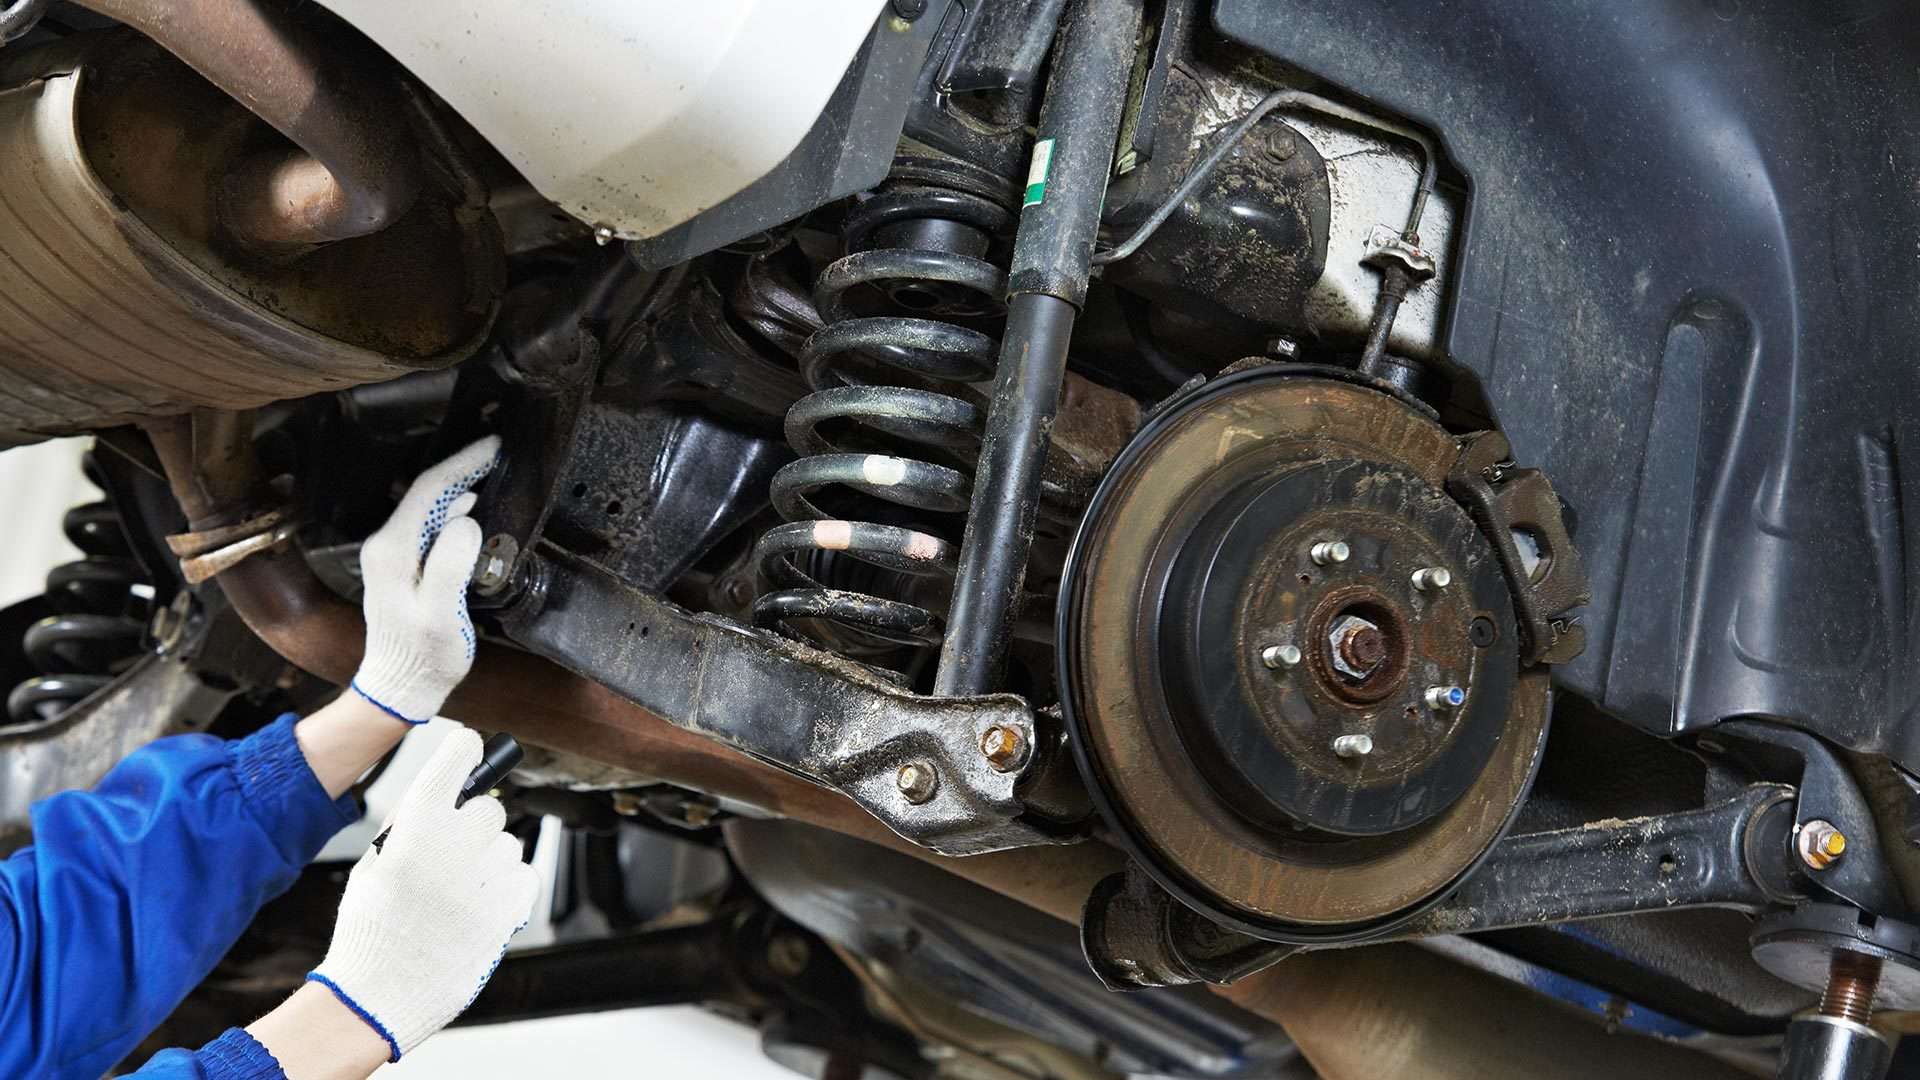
{"points": [[1327, 552], [1004, 747], [917, 781], [1445, 697], [1279, 656], [1432, 578], [1353, 746], [1820, 844]]}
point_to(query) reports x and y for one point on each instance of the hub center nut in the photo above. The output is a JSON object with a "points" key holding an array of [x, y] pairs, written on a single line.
{"points": [[1356, 647]]}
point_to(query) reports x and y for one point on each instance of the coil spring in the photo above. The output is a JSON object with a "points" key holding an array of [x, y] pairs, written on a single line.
{"points": [[881, 408], [93, 633]]}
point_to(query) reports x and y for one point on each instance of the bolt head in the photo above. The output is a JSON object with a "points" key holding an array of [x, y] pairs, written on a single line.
{"points": [[1356, 646], [1283, 347], [1280, 656], [917, 780], [1432, 578], [603, 235], [1353, 746], [1820, 844], [1005, 748], [1330, 552], [787, 955]]}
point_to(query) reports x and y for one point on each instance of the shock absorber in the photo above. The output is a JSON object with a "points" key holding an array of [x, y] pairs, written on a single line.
{"points": [[887, 442], [94, 630]]}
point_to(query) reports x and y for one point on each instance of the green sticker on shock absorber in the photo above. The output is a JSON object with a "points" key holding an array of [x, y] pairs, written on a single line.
{"points": [[1037, 173]]}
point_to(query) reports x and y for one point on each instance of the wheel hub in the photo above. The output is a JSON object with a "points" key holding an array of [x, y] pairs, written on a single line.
{"points": [[1290, 659]]}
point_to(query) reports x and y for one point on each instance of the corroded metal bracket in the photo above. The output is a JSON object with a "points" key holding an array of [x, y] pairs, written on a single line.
{"points": [[926, 767], [1508, 502]]}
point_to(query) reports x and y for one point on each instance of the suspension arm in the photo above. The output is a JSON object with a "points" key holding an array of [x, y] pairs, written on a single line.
{"points": [[1732, 854], [921, 765]]}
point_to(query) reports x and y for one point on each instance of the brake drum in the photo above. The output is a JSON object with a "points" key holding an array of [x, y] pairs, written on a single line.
{"points": [[1289, 659]]}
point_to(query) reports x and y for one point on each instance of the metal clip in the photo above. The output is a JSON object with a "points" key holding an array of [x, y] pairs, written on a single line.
{"points": [[1387, 246]]}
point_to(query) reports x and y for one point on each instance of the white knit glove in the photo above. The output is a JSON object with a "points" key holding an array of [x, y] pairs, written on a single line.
{"points": [[416, 568], [428, 914]]}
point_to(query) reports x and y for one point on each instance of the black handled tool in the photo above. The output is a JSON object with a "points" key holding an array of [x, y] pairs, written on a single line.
{"points": [[498, 757]]}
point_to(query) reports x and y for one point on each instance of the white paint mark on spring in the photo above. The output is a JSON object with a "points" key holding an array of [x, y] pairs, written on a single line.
{"points": [[922, 546], [833, 535], [883, 470]]}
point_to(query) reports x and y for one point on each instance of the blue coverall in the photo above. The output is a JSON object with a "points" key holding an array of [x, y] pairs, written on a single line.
{"points": [[132, 892]]}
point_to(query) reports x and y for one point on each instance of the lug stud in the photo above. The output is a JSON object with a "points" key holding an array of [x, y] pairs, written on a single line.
{"points": [[1432, 578], [1445, 697], [1353, 746], [1330, 552], [1280, 656]]}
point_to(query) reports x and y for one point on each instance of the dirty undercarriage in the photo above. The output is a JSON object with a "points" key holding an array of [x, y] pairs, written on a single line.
{"points": [[1146, 537]]}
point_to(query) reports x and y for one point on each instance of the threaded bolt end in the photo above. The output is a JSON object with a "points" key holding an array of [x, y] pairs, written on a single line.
{"points": [[1851, 980]]}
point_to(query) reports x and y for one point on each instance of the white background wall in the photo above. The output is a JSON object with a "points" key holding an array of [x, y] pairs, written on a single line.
{"points": [[37, 485]]}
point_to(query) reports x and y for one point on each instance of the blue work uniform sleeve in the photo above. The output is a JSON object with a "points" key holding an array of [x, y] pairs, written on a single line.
{"points": [[132, 892], [235, 1055]]}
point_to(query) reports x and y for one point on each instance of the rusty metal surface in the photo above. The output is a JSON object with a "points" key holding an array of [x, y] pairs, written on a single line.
{"points": [[1259, 877], [1380, 1013], [121, 301], [352, 170], [1510, 502]]}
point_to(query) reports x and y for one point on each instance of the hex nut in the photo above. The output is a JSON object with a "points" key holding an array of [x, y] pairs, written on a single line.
{"points": [[1005, 748], [1819, 844], [917, 780]]}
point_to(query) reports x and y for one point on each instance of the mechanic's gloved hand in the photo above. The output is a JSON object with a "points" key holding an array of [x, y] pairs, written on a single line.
{"points": [[416, 568], [427, 915]]}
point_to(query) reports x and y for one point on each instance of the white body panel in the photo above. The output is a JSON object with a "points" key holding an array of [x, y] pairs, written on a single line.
{"points": [[631, 114]]}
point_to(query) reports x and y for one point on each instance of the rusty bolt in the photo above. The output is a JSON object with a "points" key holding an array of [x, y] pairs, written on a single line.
{"points": [[739, 592], [1327, 552], [1279, 144], [1005, 748], [493, 570], [1820, 844], [1279, 656], [787, 955], [1358, 647], [1432, 578], [917, 781], [1353, 746]]}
